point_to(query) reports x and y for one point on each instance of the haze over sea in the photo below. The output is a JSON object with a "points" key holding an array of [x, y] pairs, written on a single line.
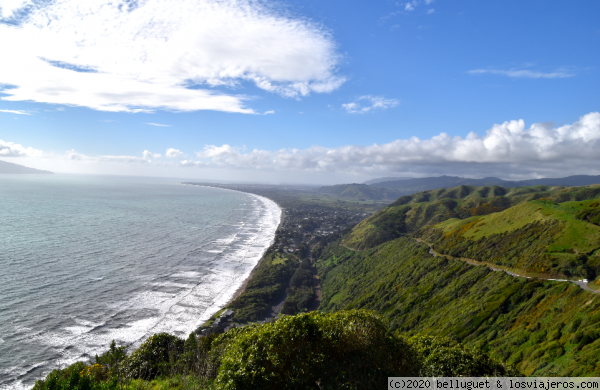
{"points": [[86, 260]]}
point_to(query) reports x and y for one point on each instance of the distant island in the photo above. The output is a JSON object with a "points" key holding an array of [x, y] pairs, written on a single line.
{"points": [[10, 168]]}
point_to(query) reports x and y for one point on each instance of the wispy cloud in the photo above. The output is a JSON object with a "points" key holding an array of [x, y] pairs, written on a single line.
{"points": [[18, 112], [158, 124], [269, 112], [430, 11], [124, 56], [410, 6], [525, 73], [369, 103]]}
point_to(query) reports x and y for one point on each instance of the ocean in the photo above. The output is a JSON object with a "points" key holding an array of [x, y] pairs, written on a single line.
{"points": [[89, 259]]}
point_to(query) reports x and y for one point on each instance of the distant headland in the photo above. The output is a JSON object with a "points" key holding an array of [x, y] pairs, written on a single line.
{"points": [[10, 168]]}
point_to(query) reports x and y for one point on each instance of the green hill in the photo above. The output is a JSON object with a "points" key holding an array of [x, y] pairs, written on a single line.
{"points": [[360, 191], [538, 238], [545, 328], [411, 213]]}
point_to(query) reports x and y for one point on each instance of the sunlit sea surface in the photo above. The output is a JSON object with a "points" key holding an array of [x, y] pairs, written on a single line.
{"points": [[85, 260]]}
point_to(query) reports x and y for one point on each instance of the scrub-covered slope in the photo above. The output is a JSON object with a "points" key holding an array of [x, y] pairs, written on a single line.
{"points": [[543, 327], [540, 238], [411, 213]]}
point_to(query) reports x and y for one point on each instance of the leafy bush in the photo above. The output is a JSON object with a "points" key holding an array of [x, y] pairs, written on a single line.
{"points": [[443, 357], [111, 358], [156, 356], [78, 376], [345, 350]]}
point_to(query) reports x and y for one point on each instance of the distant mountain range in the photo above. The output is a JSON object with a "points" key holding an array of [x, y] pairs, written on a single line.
{"points": [[383, 188], [382, 179], [10, 168]]}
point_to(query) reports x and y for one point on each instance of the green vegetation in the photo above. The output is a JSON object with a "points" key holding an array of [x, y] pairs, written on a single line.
{"points": [[349, 350], [411, 213], [542, 327], [301, 294], [267, 284], [443, 357], [538, 237], [389, 307]]}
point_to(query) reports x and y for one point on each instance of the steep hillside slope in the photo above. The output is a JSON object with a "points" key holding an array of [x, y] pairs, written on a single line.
{"points": [[538, 238], [542, 327], [411, 213]]}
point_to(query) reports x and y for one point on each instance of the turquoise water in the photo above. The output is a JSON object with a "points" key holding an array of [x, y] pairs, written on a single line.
{"points": [[85, 260]]}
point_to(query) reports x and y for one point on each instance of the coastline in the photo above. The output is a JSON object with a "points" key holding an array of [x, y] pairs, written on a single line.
{"points": [[228, 296]]}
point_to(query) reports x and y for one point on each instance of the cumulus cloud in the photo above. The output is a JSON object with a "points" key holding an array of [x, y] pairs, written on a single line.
{"points": [[174, 153], [124, 56], [507, 148], [10, 149], [368, 103], [158, 125], [18, 112], [525, 73], [148, 155]]}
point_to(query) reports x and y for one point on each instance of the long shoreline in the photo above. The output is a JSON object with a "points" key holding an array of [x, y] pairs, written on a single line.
{"points": [[241, 288]]}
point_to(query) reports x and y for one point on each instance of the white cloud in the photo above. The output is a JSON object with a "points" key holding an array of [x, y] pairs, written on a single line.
{"points": [[429, 1], [119, 55], [410, 6], [269, 112], [148, 155], [504, 149], [10, 149], [525, 73], [8, 8], [174, 153], [18, 112], [372, 103], [158, 125], [431, 11]]}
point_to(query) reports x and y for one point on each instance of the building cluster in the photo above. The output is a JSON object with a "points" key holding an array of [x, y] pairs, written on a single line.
{"points": [[303, 227]]}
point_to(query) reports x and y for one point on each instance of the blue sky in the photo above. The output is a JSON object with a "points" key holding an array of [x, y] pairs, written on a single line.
{"points": [[301, 91]]}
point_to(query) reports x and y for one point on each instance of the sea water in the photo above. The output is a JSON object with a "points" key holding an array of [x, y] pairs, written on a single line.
{"points": [[85, 260]]}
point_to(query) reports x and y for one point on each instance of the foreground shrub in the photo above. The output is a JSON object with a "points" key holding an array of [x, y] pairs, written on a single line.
{"points": [[156, 356], [442, 357], [78, 376], [345, 350]]}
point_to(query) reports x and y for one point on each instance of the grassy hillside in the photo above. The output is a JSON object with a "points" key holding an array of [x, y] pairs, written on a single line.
{"points": [[360, 191], [411, 213], [543, 327], [538, 238]]}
